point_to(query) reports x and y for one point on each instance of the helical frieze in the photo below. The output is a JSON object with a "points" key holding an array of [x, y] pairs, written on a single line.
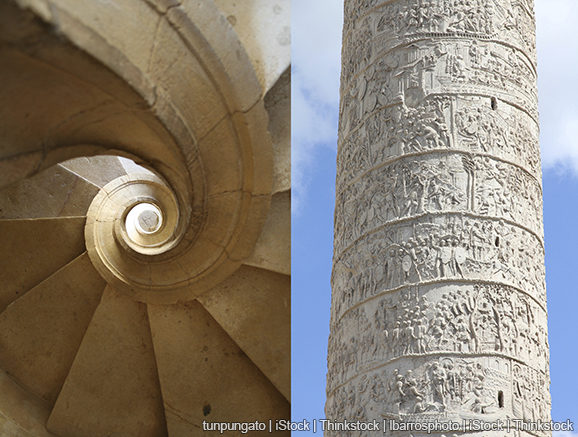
{"points": [[474, 125], [463, 248], [437, 183], [443, 389], [423, 70], [503, 21], [469, 319], [439, 298], [424, 67]]}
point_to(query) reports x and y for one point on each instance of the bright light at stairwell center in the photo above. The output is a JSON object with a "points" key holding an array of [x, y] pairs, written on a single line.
{"points": [[144, 219]]}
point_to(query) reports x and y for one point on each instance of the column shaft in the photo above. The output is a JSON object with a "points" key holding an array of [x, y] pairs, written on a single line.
{"points": [[439, 301]]}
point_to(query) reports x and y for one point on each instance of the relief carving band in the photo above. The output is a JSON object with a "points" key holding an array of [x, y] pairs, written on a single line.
{"points": [[468, 249], [436, 183], [439, 298], [444, 389], [451, 123], [377, 26], [468, 319], [420, 69]]}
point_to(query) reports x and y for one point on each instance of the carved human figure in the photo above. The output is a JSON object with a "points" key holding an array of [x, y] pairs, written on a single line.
{"points": [[439, 382], [438, 214]]}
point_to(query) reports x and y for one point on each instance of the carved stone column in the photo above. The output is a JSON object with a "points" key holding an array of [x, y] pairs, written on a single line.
{"points": [[439, 300]]}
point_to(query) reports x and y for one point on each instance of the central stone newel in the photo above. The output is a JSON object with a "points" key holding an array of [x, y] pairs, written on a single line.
{"points": [[146, 218], [148, 221]]}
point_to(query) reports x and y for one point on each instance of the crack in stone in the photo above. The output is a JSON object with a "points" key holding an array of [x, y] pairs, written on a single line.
{"points": [[176, 412]]}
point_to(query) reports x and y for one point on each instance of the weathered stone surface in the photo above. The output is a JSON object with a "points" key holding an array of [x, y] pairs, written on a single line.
{"points": [[219, 153], [199, 102], [46, 97], [131, 167], [42, 331], [55, 192], [253, 306], [273, 248], [439, 300], [28, 256], [19, 167], [252, 20], [204, 375], [113, 387], [21, 415], [99, 170], [117, 21], [278, 106], [203, 26]]}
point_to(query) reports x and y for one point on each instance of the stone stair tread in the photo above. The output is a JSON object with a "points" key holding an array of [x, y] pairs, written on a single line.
{"points": [[112, 388], [253, 306], [32, 250], [98, 170], [204, 375], [55, 192], [41, 332]]}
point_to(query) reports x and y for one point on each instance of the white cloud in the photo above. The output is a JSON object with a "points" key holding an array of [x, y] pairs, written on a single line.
{"points": [[557, 40], [314, 125], [316, 47], [564, 434]]}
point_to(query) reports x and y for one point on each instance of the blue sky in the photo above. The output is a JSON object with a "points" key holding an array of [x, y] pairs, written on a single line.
{"points": [[316, 45]]}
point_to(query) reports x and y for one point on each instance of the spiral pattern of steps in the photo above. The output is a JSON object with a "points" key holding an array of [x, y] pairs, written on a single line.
{"points": [[105, 362], [141, 296]]}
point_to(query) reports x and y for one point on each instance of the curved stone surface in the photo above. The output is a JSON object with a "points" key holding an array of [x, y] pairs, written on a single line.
{"points": [[179, 101], [265, 30], [207, 136], [439, 300]]}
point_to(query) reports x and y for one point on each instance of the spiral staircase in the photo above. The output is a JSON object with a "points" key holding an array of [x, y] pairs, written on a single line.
{"points": [[144, 216]]}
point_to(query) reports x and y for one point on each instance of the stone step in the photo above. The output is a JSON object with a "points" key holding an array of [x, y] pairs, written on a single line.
{"points": [[205, 376], [253, 306], [131, 167], [54, 192], [33, 249], [41, 332], [23, 415], [98, 170], [113, 387]]}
